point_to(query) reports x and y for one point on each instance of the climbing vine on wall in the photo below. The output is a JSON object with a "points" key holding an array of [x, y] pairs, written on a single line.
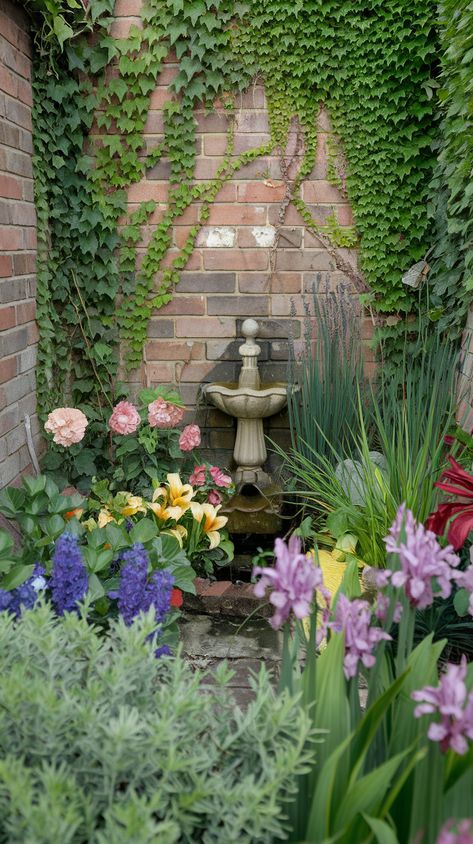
{"points": [[452, 262], [369, 64]]}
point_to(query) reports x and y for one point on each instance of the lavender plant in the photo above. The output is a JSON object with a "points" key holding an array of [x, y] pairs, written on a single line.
{"points": [[100, 742]]}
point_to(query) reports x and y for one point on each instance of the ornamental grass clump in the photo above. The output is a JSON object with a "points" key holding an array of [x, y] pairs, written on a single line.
{"points": [[100, 742]]}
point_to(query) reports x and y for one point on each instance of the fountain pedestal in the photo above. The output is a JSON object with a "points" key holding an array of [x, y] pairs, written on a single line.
{"points": [[249, 402]]}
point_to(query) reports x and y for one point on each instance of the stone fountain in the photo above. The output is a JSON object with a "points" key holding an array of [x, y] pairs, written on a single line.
{"points": [[256, 506]]}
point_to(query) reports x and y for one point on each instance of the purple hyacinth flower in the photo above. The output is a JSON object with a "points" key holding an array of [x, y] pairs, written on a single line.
{"points": [[69, 580], [14, 601], [136, 594], [353, 618], [425, 565], [293, 581], [456, 833], [133, 579], [454, 705]]}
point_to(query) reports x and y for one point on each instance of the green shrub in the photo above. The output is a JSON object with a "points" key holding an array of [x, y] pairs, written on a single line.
{"points": [[104, 744]]}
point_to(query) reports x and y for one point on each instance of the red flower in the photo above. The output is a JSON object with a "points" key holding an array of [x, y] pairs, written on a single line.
{"points": [[460, 483], [176, 598]]}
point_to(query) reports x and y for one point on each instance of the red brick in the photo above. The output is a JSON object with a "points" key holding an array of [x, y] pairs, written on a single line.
{"points": [[5, 266], [8, 369], [216, 589], [7, 318], [243, 143], [256, 122], [25, 312], [194, 262], [25, 92], [11, 238], [160, 373], [121, 26], [154, 123], [248, 215], [33, 334], [18, 113], [193, 305], [159, 350], [254, 282], [9, 29], [284, 305], [206, 168], [30, 238], [202, 327], [320, 191], [167, 74], [213, 122], [291, 217], [261, 192], [286, 283], [253, 97], [181, 234], [238, 305], [247, 237], [10, 187], [144, 190], [236, 259], [159, 96], [228, 193], [215, 144], [298, 259], [8, 82], [195, 372]]}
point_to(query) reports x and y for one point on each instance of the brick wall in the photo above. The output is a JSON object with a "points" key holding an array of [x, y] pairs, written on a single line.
{"points": [[240, 267], [18, 333]]}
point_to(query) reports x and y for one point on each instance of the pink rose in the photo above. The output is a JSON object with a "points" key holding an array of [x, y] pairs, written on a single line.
{"points": [[67, 425], [214, 497], [164, 414], [219, 478], [124, 419], [198, 476], [190, 438]]}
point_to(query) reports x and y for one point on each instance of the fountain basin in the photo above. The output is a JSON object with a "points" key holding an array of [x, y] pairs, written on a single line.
{"points": [[245, 402]]}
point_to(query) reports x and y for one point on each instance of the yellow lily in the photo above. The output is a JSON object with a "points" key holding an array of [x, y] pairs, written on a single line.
{"points": [[104, 518], [134, 505], [179, 494], [176, 498], [212, 522], [179, 532]]}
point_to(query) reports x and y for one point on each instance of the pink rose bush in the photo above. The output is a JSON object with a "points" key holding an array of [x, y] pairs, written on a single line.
{"points": [[190, 438], [206, 478], [164, 414], [67, 425], [124, 419]]}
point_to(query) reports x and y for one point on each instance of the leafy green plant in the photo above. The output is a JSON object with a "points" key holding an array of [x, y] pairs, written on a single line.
{"points": [[102, 742], [451, 197], [324, 413], [410, 416], [42, 514]]}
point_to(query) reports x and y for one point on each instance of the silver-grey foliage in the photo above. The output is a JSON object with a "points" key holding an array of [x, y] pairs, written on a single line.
{"points": [[104, 744]]}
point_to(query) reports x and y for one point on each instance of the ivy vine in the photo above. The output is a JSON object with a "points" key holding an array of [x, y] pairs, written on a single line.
{"points": [[452, 187], [371, 67]]}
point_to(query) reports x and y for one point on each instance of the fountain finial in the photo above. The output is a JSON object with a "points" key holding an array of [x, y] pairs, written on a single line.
{"points": [[250, 328], [249, 375]]}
